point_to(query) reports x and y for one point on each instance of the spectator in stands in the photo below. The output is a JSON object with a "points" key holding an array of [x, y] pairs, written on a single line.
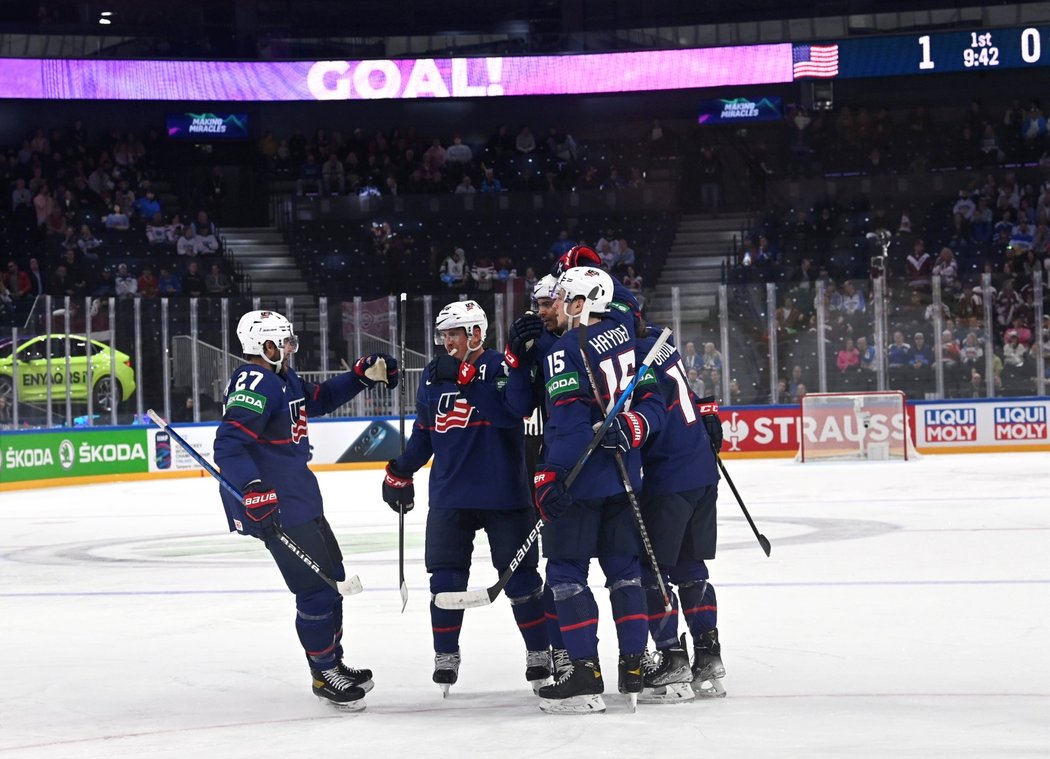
{"points": [[187, 245], [127, 285], [971, 354], [690, 358], [20, 195], [459, 153], [453, 270], [434, 158], [103, 285], [695, 383], [88, 243], [148, 285], [789, 319], [525, 142], [17, 282], [897, 354], [710, 167], [333, 175], [921, 355], [215, 192], [168, 283], [206, 233], [309, 182], [1022, 237], [633, 282], [865, 355], [37, 284], [157, 230], [918, 267], [795, 379], [712, 362], [483, 273], [192, 281], [465, 186], [1008, 304], [117, 220], [217, 283], [947, 269], [848, 359], [491, 183], [175, 229]]}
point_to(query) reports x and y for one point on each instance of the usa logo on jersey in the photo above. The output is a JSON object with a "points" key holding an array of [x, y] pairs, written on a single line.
{"points": [[297, 411], [452, 412]]}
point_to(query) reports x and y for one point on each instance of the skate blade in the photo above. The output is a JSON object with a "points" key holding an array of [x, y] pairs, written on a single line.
{"points": [[537, 684], [366, 686], [573, 705], [709, 689], [631, 699], [675, 693], [345, 706], [444, 689]]}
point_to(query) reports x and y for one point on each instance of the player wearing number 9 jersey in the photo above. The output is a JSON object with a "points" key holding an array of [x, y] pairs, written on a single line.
{"points": [[262, 447], [593, 518], [678, 506]]}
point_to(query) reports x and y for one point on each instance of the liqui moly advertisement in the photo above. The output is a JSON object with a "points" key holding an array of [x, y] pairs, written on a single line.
{"points": [[404, 79]]}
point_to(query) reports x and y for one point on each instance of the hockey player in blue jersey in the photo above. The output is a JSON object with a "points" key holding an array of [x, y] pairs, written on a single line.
{"points": [[477, 481], [592, 519], [262, 447], [678, 506]]}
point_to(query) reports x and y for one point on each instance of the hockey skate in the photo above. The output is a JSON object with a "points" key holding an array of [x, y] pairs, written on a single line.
{"points": [[446, 671], [707, 666], [667, 677], [562, 662], [338, 690], [538, 669], [362, 678], [631, 681], [577, 691]]}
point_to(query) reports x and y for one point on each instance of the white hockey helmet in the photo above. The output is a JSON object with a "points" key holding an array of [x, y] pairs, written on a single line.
{"points": [[580, 281], [256, 327], [545, 287], [462, 313]]}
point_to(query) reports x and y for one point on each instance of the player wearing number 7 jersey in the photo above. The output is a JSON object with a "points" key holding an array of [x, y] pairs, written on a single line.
{"points": [[262, 446], [593, 518]]}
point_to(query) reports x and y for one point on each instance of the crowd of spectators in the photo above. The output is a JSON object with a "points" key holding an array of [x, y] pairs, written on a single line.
{"points": [[84, 218]]}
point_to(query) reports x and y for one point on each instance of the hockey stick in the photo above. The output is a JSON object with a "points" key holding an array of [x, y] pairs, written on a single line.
{"points": [[348, 587], [403, 399], [762, 539], [469, 599], [624, 474]]}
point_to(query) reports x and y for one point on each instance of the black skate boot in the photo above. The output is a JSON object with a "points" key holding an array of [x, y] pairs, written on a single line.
{"points": [[362, 678], [446, 671], [562, 662], [538, 669], [577, 691], [668, 677], [630, 681], [707, 666], [335, 688]]}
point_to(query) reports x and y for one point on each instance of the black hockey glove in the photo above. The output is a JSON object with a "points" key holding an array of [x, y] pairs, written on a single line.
{"points": [[448, 368], [523, 335], [552, 499], [709, 415], [628, 431], [260, 510], [398, 490], [377, 367]]}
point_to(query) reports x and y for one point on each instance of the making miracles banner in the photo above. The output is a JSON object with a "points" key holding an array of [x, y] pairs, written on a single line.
{"points": [[404, 79]]}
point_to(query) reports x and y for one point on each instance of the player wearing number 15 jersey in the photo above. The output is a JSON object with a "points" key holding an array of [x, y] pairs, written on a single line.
{"points": [[592, 518]]}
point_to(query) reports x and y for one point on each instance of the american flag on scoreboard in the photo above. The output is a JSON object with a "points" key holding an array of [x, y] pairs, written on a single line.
{"points": [[821, 61]]}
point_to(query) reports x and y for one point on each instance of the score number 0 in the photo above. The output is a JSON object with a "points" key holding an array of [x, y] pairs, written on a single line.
{"points": [[1030, 49]]}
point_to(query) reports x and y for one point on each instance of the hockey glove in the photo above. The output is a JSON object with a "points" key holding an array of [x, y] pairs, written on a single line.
{"points": [[398, 490], [377, 367], [552, 499], [260, 508], [628, 431], [523, 335], [448, 368], [709, 415]]}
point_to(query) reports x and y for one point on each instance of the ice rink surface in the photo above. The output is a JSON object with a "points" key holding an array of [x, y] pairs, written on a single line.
{"points": [[905, 612]]}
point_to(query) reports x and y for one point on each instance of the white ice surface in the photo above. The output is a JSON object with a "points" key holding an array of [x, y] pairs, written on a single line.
{"points": [[904, 613]]}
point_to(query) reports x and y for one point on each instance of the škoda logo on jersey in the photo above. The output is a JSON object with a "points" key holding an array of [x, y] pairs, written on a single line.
{"points": [[453, 412], [1019, 422]]}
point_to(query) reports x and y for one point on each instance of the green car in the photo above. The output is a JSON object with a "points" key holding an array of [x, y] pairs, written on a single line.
{"points": [[33, 369]]}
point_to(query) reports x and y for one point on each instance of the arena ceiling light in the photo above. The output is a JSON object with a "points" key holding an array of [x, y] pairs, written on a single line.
{"points": [[105, 18]]}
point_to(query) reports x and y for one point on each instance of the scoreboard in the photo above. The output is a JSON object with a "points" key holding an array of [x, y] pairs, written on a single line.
{"points": [[930, 53]]}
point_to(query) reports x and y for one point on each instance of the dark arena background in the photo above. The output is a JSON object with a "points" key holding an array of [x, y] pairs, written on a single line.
{"points": [[841, 209]]}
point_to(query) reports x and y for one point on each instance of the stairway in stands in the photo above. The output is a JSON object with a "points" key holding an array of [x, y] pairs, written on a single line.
{"points": [[694, 265], [274, 273]]}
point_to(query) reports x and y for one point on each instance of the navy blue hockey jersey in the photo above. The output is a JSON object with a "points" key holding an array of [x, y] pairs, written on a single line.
{"points": [[264, 436], [572, 410], [678, 457], [476, 441]]}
